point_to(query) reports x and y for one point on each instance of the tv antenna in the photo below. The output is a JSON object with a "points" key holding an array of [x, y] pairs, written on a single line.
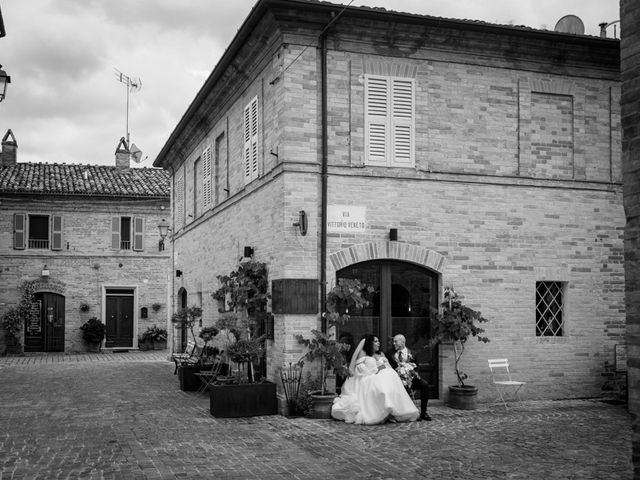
{"points": [[133, 85]]}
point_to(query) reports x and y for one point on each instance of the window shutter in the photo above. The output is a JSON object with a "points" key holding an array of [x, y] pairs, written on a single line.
{"points": [[403, 122], [254, 138], [19, 230], [206, 178], [179, 199], [250, 131], [376, 112], [56, 232], [115, 233], [138, 234]]}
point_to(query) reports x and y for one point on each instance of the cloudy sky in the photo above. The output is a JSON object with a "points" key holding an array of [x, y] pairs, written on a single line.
{"points": [[66, 105]]}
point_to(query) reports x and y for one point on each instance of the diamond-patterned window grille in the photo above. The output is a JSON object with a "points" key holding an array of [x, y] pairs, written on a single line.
{"points": [[549, 309]]}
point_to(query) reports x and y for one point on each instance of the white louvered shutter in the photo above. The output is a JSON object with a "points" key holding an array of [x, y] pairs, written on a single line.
{"points": [[179, 199], [115, 233], [250, 133], [19, 231], [138, 234], [377, 120], [56, 232], [402, 121], [207, 175]]}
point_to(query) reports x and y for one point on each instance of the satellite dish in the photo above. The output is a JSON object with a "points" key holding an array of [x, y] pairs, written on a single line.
{"points": [[136, 153], [570, 24]]}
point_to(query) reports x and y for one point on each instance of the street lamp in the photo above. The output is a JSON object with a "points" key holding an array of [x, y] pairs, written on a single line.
{"points": [[4, 81], [163, 228]]}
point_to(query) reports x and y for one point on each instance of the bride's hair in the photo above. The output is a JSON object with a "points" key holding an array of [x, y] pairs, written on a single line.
{"points": [[368, 344]]}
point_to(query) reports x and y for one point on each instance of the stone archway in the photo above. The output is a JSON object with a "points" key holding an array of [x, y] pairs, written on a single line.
{"points": [[406, 252]]}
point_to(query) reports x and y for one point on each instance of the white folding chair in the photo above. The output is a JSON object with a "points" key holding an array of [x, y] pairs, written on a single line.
{"points": [[508, 389]]}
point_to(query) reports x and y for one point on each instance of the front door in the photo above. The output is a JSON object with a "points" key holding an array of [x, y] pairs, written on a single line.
{"points": [[404, 297], [119, 316], [44, 329]]}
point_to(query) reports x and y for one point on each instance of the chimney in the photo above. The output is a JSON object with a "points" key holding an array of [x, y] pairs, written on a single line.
{"points": [[9, 150], [122, 154], [603, 29]]}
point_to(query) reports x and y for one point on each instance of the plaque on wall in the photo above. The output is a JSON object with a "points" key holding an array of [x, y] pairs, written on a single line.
{"points": [[33, 322]]}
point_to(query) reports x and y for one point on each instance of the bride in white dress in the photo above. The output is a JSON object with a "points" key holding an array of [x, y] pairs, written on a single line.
{"points": [[374, 392]]}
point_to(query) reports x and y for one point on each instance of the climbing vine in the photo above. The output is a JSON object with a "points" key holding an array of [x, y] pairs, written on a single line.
{"points": [[14, 318]]}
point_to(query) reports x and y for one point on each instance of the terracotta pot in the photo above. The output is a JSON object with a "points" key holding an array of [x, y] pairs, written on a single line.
{"points": [[321, 405], [462, 398]]}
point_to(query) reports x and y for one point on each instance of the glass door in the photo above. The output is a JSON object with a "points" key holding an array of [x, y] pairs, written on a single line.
{"points": [[402, 302]]}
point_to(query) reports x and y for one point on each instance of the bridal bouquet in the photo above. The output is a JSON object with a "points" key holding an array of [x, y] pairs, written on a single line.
{"points": [[407, 372]]}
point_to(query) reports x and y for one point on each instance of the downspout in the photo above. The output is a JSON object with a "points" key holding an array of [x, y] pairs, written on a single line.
{"points": [[324, 180]]}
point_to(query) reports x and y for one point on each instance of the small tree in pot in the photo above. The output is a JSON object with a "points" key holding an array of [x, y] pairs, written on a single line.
{"points": [[457, 323], [348, 294]]}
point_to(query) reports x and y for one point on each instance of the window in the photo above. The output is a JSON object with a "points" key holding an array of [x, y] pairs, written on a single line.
{"points": [[37, 231], [198, 187], [178, 197], [127, 233], [207, 175], [389, 119], [250, 134], [549, 309]]}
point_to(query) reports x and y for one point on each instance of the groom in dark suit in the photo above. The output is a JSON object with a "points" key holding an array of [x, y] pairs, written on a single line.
{"points": [[402, 361]]}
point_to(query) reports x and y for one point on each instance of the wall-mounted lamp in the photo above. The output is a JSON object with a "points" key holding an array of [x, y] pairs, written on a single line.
{"points": [[302, 222], [393, 234], [248, 252], [45, 272], [163, 228], [4, 81], [178, 273]]}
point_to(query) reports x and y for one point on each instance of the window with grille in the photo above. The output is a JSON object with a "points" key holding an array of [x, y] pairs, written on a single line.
{"points": [[389, 118], [549, 309], [127, 233], [37, 231]]}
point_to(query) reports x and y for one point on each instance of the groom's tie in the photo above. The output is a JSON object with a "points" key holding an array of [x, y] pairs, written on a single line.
{"points": [[400, 356]]}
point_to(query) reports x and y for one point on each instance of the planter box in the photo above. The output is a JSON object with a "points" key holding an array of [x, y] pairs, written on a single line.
{"points": [[243, 400], [145, 346], [189, 382], [159, 345]]}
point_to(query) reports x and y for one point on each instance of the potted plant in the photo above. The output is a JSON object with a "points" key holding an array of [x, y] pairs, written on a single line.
{"points": [[457, 323], [84, 307], [323, 346], [158, 337], [144, 341], [93, 331], [243, 297]]}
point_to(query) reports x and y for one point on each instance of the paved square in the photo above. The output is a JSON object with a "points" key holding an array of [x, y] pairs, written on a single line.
{"points": [[122, 416]]}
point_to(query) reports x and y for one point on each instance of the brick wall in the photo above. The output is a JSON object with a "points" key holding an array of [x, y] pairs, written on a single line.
{"points": [[630, 60], [87, 263]]}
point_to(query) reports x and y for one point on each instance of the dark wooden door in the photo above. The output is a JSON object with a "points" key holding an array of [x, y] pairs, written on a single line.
{"points": [[401, 304], [44, 329], [119, 321]]}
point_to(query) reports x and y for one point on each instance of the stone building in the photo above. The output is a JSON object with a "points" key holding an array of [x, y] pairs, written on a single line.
{"points": [[413, 153], [82, 234]]}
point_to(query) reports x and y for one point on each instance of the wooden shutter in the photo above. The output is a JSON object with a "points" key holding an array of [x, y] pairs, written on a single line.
{"points": [[19, 230], [377, 119], [115, 233], [206, 178], [138, 234], [402, 121], [56, 232], [179, 199], [250, 133]]}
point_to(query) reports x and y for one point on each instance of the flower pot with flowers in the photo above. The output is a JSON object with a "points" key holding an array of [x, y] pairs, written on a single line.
{"points": [[348, 294], [93, 332], [457, 323]]}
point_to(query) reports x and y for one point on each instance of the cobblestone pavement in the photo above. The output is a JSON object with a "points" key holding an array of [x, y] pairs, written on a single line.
{"points": [[122, 416]]}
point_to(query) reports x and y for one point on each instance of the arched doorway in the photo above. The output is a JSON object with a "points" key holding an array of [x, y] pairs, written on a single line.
{"points": [[44, 330], [404, 298]]}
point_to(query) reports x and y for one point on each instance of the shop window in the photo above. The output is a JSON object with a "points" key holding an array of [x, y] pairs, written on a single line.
{"points": [[549, 309]]}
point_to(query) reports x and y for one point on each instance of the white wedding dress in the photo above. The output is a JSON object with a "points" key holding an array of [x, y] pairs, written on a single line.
{"points": [[370, 396]]}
